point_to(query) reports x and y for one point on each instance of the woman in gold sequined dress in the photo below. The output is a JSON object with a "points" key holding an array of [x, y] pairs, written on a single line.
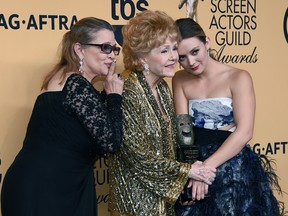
{"points": [[145, 178]]}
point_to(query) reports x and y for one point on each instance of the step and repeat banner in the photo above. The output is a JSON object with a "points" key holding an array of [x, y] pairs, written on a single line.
{"points": [[248, 34]]}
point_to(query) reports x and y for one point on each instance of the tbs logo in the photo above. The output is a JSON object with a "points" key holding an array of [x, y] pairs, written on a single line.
{"points": [[125, 9]]}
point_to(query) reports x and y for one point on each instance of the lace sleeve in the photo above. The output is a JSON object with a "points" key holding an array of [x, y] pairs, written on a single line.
{"points": [[102, 120]]}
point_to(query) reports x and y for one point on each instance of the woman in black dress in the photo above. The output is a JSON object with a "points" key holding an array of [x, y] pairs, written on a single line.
{"points": [[70, 125]]}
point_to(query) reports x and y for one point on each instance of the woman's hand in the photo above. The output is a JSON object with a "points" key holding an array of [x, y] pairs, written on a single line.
{"points": [[113, 82], [199, 190], [201, 172]]}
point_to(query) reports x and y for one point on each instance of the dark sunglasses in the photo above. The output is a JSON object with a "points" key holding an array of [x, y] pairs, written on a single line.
{"points": [[106, 48]]}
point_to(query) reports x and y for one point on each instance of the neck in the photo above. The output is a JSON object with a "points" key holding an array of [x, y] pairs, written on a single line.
{"points": [[88, 76], [209, 71], [152, 80]]}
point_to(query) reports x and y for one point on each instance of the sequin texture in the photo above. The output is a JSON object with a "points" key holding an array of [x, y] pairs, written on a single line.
{"points": [[145, 178]]}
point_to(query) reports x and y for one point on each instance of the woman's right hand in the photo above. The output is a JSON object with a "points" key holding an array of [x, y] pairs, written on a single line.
{"points": [[113, 82], [201, 172], [199, 190]]}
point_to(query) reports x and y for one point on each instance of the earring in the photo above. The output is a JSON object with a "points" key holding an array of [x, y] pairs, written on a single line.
{"points": [[146, 69], [208, 52], [81, 68]]}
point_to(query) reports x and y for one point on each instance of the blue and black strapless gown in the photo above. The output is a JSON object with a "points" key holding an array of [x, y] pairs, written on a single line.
{"points": [[242, 187]]}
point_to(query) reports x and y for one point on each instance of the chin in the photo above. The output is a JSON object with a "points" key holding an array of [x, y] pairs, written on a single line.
{"points": [[193, 72], [103, 73], [169, 74]]}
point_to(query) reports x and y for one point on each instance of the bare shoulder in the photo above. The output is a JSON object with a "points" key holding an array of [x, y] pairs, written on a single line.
{"points": [[58, 81], [240, 78], [237, 74], [181, 76]]}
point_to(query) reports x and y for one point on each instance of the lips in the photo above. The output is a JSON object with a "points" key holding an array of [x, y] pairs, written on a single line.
{"points": [[171, 65], [108, 64], [195, 68]]}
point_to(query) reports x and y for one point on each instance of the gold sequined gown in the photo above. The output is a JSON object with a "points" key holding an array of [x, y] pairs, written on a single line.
{"points": [[145, 179]]}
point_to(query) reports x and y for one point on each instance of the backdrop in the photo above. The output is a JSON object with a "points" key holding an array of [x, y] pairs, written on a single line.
{"points": [[248, 34]]}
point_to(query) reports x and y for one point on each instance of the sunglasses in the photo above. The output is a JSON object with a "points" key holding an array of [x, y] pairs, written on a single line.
{"points": [[106, 48]]}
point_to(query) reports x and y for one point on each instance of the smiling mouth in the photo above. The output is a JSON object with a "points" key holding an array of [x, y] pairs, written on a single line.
{"points": [[195, 68], [170, 66]]}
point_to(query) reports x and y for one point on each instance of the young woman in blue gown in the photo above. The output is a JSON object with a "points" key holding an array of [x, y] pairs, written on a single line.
{"points": [[221, 100]]}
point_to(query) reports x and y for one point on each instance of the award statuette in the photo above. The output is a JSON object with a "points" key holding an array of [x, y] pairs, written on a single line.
{"points": [[187, 152]]}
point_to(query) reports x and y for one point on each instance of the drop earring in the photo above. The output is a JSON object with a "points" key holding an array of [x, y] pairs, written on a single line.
{"points": [[81, 68], [146, 69], [208, 52]]}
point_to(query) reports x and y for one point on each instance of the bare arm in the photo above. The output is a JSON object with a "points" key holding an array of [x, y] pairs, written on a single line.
{"points": [[180, 100], [244, 112]]}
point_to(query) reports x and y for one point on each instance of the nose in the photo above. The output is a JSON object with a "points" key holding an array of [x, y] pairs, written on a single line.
{"points": [[111, 55], [173, 55], [191, 60]]}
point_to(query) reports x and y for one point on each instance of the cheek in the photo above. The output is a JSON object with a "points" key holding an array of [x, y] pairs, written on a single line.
{"points": [[94, 63], [155, 63], [203, 55], [98, 59]]}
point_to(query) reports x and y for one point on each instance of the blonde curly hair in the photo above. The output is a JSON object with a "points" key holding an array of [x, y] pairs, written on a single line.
{"points": [[147, 30]]}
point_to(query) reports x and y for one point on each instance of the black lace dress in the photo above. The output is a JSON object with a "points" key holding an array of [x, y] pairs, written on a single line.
{"points": [[53, 173]]}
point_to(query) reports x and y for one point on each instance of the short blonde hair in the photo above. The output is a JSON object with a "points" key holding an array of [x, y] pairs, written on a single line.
{"points": [[147, 30]]}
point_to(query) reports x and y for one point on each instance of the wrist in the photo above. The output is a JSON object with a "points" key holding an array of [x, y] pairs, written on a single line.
{"points": [[209, 164]]}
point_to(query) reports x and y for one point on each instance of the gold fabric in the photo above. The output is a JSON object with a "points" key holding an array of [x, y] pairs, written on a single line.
{"points": [[145, 179]]}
